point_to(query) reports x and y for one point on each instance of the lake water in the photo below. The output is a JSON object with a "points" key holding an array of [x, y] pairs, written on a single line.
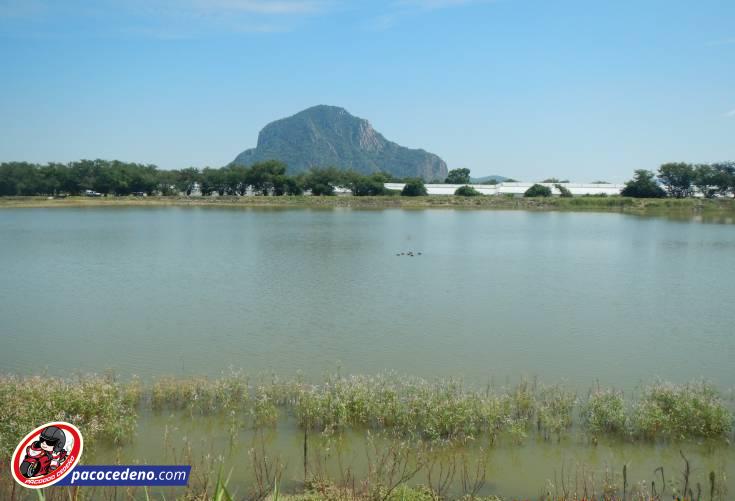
{"points": [[494, 296], [578, 297]]}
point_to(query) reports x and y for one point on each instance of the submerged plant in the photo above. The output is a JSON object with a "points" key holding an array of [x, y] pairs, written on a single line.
{"points": [[554, 415]]}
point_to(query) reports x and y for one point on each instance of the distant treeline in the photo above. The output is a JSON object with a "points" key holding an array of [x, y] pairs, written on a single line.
{"points": [[678, 180], [121, 178]]}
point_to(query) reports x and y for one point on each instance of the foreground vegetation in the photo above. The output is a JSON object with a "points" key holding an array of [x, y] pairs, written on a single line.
{"points": [[417, 432], [407, 407], [579, 485]]}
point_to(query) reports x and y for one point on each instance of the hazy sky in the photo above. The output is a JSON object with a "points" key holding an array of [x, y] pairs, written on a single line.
{"points": [[526, 88]]}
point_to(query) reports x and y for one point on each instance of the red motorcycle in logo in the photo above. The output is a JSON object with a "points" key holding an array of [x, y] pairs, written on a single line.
{"points": [[46, 455]]}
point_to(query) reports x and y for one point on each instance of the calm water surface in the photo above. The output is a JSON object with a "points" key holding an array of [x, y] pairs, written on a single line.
{"points": [[494, 296], [563, 296]]}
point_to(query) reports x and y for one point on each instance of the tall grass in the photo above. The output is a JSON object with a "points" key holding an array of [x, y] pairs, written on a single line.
{"points": [[694, 410], [604, 413], [201, 395], [443, 410], [417, 431], [103, 407]]}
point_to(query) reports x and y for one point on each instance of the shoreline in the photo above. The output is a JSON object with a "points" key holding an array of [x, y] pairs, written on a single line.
{"points": [[682, 207]]}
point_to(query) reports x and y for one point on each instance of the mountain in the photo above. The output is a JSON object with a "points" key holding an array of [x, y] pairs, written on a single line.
{"points": [[325, 136], [488, 179]]}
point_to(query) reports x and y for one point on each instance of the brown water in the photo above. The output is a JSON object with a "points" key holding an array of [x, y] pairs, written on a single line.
{"points": [[521, 471]]}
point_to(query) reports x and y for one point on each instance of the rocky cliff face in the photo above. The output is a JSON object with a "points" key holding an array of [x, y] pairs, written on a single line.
{"points": [[325, 136]]}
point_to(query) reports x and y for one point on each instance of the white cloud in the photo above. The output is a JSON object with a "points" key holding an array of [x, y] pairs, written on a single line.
{"points": [[730, 113]]}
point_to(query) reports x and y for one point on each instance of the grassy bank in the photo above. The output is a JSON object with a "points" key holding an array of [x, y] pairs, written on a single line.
{"points": [[610, 204], [417, 433]]}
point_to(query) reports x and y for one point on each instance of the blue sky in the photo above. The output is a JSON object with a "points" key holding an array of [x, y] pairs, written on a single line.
{"points": [[582, 90]]}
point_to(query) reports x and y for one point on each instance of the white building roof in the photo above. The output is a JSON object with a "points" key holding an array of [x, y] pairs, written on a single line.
{"points": [[577, 189]]}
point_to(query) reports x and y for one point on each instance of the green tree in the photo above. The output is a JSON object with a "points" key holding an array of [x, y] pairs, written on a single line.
{"points": [[643, 185], [538, 190], [725, 177], [414, 188], [458, 176], [18, 178], [677, 178], [360, 185], [49, 178], [142, 178], [166, 182], [186, 178], [706, 179], [322, 181], [294, 185], [262, 175], [213, 181], [236, 179], [466, 191], [563, 191]]}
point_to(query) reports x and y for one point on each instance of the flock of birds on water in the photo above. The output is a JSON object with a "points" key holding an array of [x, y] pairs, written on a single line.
{"points": [[409, 253]]}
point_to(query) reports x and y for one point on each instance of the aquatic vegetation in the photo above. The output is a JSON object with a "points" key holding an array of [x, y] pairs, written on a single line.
{"points": [[263, 411], [103, 407], [417, 433], [201, 394], [604, 413], [524, 401], [694, 410], [554, 412], [438, 411]]}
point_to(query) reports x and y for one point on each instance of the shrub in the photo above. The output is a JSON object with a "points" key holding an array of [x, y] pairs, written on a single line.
{"points": [[361, 186], [538, 190], [643, 185], [458, 176], [322, 189], [563, 190], [414, 188], [467, 191]]}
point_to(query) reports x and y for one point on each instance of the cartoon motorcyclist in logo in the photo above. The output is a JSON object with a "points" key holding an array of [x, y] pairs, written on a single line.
{"points": [[45, 454]]}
